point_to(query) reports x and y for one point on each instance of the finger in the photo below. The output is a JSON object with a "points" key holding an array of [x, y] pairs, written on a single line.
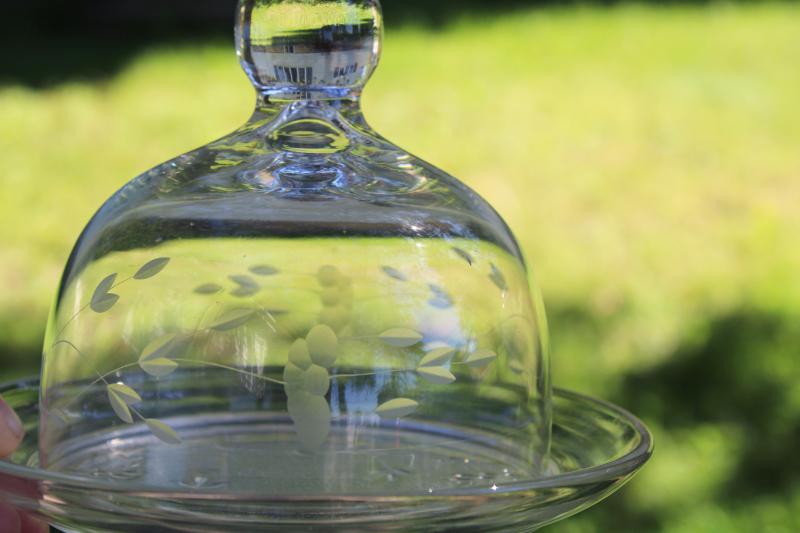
{"points": [[11, 430], [9, 519], [28, 524]]}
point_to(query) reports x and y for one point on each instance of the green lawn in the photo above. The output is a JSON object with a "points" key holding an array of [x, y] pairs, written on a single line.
{"points": [[647, 158]]}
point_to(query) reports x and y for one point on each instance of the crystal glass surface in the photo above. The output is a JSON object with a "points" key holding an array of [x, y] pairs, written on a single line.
{"points": [[300, 307], [596, 448]]}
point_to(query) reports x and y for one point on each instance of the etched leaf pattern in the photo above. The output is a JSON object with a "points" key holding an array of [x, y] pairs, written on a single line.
{"points": [[120, 408], [208, 288], [307, 375], [104, 303], [480, 358], [438, 356], [151, 268], [121, 397], [397, 408], [401, 337], [155, 358], [125, 393], [463, 254], [316, 380], [307, 383], [328, 275], [232, 319], [498, 278], [264, 270], [159, 367], [158, 348], [162, 431], [322, 344], [440, 299], [243, 281], [437, 375], [311, 415], [247, 286], [394, 273], [336, 298], [102, 299], [516, 367], [104, 286], [299, 354]]}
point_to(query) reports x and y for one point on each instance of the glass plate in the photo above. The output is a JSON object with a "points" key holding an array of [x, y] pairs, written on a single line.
{"points": [[596, 448]]}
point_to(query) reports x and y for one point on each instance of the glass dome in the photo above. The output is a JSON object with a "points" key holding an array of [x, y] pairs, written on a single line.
{"points": [[299, 307]]}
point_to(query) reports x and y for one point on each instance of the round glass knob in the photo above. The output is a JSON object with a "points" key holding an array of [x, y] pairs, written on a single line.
{"points": [[318, 48]]}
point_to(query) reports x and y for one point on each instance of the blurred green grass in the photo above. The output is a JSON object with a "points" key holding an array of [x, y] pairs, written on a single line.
{"points": [[647, 159]]}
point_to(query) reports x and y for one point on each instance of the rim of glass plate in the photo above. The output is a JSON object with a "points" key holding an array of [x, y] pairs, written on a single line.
{"points": [[617, 469]]}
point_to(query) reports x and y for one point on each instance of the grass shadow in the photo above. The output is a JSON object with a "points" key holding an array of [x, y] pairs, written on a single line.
{"points": [[741, 377]]}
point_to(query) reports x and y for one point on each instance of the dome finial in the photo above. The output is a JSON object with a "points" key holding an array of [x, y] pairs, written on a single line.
{"points": [[309, 49]]}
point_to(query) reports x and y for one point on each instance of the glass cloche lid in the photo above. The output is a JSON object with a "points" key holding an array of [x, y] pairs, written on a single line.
{"points": [[300, 308]]}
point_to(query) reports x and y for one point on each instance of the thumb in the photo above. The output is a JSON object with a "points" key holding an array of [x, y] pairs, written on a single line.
{"points": [[11, 430], [9, 519]]}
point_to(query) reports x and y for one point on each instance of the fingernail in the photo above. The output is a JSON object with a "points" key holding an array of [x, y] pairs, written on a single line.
{"points": [[11, 420]]}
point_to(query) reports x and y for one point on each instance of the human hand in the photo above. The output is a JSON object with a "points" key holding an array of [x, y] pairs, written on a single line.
{"points": [[11, 432]]}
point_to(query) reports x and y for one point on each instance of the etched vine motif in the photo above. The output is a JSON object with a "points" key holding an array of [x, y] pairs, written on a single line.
{"points": [[122, 397], [307, 374], [498, 278], [307, 383]]}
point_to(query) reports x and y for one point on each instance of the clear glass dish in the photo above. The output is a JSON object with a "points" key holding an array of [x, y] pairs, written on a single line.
{"points": [[303, 315], [322, 271], [596, 448]]}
